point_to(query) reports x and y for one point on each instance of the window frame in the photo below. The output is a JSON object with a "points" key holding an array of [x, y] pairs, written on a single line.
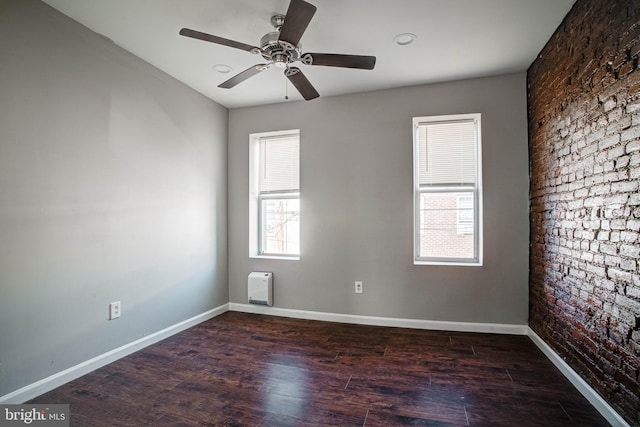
{"points": [[474, 189], [256, 198]]}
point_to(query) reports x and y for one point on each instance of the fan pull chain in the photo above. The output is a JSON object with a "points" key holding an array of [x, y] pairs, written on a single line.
{"points": [[286, 90]]}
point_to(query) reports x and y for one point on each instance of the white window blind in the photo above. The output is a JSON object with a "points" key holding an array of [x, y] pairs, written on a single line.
{"points": [[447, 153], [279, 164]]}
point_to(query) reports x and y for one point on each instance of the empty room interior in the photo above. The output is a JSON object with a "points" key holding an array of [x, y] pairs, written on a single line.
{"points": [[435, 221]]}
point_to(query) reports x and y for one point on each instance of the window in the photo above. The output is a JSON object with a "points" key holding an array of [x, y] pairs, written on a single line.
{"points": [[275, 194], [447, 190], [465, 214]]}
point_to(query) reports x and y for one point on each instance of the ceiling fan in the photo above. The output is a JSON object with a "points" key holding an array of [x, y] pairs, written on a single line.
{"points": [[281, 48]]}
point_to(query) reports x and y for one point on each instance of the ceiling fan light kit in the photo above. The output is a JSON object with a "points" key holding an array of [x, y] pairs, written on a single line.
{"points": [[282, 47]]}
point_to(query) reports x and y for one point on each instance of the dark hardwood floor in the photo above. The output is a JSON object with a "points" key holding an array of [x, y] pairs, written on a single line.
{"points": [[241, 369]]}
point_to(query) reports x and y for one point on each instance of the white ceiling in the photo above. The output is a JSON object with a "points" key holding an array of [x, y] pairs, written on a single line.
{"points": [[457, 39]]}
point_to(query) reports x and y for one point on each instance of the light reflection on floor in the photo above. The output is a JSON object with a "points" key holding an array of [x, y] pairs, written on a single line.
{"points": [[285, 381]]}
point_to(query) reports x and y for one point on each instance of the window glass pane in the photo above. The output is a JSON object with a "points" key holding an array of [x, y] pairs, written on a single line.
{"points": [[280, 226], [446, 225]]}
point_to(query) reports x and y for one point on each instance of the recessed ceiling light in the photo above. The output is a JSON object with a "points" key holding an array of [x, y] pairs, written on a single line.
{"points": [[404, 39], [222, 68]]}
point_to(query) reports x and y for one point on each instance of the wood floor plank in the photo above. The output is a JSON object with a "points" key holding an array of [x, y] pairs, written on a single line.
{"points": [[243, 369]]}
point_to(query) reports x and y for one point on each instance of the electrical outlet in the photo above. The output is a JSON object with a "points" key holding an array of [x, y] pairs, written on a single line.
{"points": [[115, 310], [359, 287]]}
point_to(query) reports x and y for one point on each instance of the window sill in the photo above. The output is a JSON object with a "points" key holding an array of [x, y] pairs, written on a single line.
{"points": [[285, 258], [451, 263]]}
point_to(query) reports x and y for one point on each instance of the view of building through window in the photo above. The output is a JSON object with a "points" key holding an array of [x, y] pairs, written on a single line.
{"points": [[446, 225], [281, 226]]}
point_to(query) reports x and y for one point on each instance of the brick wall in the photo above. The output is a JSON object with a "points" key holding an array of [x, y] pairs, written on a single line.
{"points": [[584, 143]]}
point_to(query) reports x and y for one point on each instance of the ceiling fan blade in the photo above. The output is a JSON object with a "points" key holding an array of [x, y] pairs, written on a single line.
{"points": [[296, 21], [346, 61], [239, 78], [215, 39], [301, 83]]}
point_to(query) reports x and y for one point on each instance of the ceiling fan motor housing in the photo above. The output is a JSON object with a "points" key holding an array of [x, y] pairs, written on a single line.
{"points": [[279, 51]]}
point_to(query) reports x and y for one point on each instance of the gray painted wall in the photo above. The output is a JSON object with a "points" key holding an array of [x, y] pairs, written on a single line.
{"points": [[113, 186], [356, 205]]}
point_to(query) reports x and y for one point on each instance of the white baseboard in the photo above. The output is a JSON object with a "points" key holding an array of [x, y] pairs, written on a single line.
{"points": [[494, 328], [585, 389], [46, 384]]}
